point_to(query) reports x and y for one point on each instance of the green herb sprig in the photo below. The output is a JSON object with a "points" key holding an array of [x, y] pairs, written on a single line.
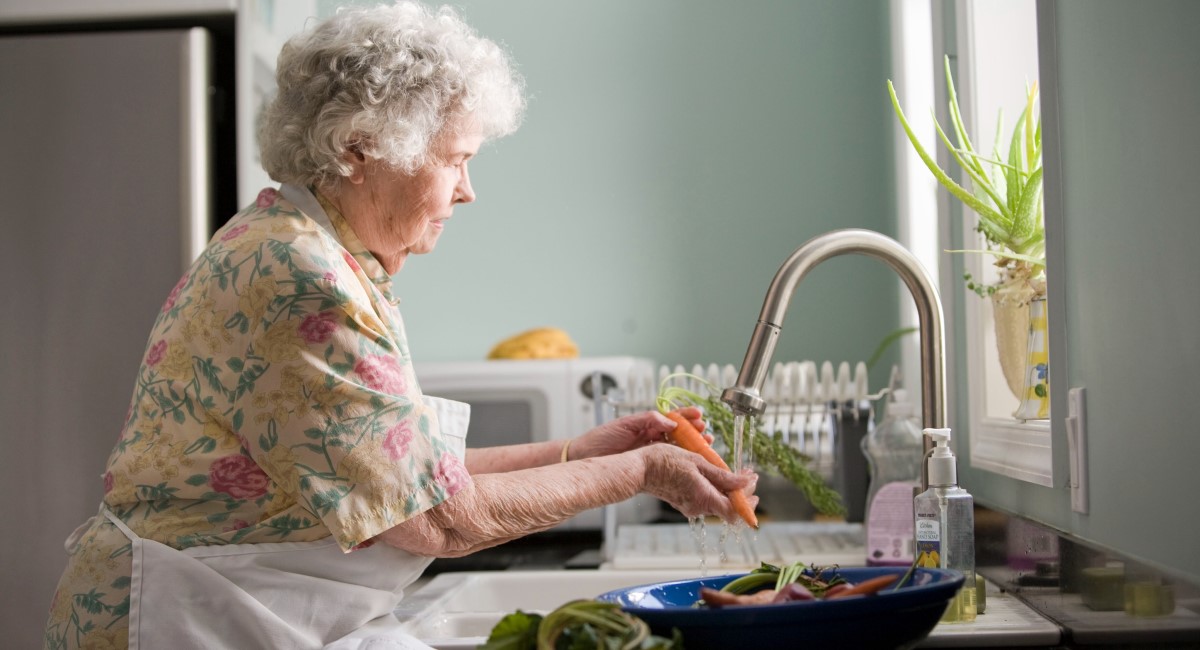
{"points": [[771, 453]]}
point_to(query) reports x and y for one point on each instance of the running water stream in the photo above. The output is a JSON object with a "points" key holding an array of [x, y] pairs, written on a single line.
{"points": [[743, 457]]}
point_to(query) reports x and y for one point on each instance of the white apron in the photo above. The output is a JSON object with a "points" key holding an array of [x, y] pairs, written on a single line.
{"points": [[288, 595]]}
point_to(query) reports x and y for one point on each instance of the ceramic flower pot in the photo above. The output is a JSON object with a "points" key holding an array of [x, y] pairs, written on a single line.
{"points": [[1010, 316], [1011, 320], [1035, 389]]}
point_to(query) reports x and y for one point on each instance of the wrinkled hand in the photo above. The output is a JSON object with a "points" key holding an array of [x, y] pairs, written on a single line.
{"points": [[692, 485], [631, 432]]}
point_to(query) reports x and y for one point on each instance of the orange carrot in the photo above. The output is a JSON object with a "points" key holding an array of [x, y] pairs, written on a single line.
{"points": [[866, 587], [685, 435]]}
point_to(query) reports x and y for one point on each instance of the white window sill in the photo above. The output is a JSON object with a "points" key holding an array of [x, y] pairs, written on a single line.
{"points": [[1019, 450]]}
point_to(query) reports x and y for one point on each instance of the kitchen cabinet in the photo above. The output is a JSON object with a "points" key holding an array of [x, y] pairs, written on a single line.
{"points": [[128, 131], [256, 28]]}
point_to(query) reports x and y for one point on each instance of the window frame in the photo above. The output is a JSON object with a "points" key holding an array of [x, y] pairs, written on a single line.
{"points": [[997, 443]]}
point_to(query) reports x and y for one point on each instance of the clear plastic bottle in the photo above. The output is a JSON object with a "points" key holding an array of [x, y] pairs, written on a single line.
{"points": [[894, 454], [945, 526]]}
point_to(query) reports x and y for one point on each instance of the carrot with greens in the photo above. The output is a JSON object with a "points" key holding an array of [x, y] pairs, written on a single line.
{"points": [[866, 587], [687, 436]]}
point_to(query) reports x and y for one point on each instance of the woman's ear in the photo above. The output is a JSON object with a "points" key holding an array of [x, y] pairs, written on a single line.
{"points": [[353, 156]]}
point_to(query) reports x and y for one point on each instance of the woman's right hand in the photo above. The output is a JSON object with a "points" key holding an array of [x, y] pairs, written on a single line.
{"points": [[691, 484]]}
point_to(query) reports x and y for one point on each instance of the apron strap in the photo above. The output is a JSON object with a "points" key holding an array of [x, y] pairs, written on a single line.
{"points": [[119, 524]]}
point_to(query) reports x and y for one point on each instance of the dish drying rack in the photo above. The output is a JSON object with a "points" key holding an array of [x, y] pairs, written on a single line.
{"points": [[822, 411], [806, 404]]}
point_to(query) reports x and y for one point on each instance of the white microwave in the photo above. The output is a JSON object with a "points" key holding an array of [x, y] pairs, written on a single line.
{"points": [[533, 400]]}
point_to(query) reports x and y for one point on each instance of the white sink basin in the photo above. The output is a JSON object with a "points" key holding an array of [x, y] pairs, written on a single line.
{"points": [[456, 611]]}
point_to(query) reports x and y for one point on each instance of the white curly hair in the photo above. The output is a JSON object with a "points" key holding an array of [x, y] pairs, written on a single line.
{"points": [[387, 80]]}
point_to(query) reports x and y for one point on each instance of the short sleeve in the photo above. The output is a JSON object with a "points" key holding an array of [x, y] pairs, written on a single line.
{"points": [[331, 410]]}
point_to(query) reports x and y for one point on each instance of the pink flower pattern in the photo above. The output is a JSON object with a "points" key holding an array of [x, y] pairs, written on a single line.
{"points": [[174, 295], [239, 477], [451, 474], [108, 482], [318, 328], [395, 443], [156, 354], [382, 373], [267, 197], [234, 232]]}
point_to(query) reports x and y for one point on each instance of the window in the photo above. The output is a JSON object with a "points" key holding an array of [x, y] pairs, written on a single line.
{"points": [[993, 57]]}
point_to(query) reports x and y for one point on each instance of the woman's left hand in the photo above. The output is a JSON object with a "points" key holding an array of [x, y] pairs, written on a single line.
{"points": [[631, 432]]}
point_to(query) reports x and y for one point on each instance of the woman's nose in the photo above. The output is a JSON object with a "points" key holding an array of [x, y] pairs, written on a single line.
{"points": [[464, 192]]}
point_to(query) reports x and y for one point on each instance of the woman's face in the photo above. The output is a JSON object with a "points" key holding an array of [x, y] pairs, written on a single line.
{"points": [[395, 213]]}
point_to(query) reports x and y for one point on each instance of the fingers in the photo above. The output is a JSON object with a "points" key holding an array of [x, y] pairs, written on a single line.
{"points": [[725, 480], [694, 486], [753, 486], [662, 421], [691, 413], [723, 507], [695, 416], [731, 515]]}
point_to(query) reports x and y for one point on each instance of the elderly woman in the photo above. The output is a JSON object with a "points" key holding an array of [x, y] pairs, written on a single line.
{"points": [[280, 478]]}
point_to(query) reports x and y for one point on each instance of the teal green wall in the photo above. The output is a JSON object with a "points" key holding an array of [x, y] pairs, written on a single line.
{"points": [[674, 153], [1124, 217]]}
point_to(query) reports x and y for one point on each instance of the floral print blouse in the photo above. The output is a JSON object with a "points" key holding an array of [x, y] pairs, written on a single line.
{"points": [[275, 402]]}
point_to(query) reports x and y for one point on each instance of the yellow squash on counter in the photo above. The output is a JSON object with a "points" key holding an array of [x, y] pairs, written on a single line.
{"points": [[538, 343]]}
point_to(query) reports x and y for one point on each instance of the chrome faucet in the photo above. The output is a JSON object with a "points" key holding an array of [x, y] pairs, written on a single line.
{"points": [[745, 397]]}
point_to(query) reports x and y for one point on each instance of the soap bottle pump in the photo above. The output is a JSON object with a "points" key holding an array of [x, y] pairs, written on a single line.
{"points": [[944, 525]]}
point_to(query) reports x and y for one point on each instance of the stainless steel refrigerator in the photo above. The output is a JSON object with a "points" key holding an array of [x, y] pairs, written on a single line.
{"points": [[106, 196]]}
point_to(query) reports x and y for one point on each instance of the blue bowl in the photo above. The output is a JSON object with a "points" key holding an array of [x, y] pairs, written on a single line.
{"points": [[892, 618]]}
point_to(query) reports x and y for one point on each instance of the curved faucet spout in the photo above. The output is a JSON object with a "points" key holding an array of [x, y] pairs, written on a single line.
{"points": [[745, 398]]}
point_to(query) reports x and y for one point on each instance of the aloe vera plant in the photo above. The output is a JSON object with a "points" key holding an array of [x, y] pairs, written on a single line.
{"points": [[1007, 193]]}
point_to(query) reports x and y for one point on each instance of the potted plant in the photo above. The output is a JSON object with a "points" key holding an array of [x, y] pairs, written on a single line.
{"points": [[1007, 198]]}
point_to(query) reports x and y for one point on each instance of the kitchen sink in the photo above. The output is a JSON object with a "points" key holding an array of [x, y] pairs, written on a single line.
{"points": [[456, 611]]}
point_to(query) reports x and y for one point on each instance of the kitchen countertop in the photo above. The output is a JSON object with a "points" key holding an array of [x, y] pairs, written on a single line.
{"points": [[1006, 622]]}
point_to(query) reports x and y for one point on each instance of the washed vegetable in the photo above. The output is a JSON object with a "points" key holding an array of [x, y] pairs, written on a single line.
{"points": [[833, 591], [771, 454], [685, 435], [578, 624], [811, 577], [792, 592], [864, 588], [717, 598], [753, 581], [516, 631], [794, 582]]}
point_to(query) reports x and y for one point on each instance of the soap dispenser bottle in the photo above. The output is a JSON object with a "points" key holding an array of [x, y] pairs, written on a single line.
{"points": [[894, 455], [944, 525]]}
